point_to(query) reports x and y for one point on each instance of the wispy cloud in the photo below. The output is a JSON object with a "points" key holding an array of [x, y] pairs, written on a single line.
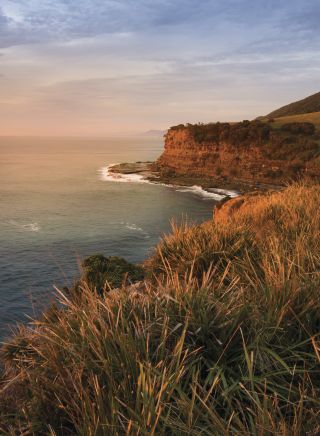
{"points": [[152, 62]]}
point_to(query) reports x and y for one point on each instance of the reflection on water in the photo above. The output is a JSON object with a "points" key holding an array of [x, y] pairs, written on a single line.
{"points": [[56, 209]]}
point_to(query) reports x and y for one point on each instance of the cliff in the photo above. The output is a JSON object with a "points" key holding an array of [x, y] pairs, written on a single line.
{"points": [[248, 151]]}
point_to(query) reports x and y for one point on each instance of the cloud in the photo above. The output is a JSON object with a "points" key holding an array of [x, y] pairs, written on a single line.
{"points": [[51, 20], [153, 61]]}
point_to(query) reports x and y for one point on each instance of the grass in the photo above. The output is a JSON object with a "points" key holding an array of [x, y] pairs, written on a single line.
{"points": [[222, 339], [313, 118]]}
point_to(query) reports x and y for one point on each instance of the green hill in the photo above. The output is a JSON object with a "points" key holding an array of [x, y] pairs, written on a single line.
{"points": [[305, 106]]}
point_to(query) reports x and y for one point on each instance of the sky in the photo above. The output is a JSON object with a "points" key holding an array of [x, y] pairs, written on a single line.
{"points": [[101, 67]]}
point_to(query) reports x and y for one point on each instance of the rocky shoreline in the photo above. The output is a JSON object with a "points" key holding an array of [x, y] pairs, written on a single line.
{"points": [[148, 171]]}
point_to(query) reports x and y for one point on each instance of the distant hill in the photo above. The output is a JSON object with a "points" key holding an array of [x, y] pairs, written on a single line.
{"points": [[154, 133], [305, 106]]}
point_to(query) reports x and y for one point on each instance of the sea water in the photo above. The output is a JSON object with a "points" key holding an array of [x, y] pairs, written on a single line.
{"points": [[59, 204]]}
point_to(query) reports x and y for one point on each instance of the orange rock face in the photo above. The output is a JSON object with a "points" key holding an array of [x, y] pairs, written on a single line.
{"points": [[257, 154]]}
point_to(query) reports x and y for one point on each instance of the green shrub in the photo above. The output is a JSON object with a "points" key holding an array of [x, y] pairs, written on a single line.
{"points": [[304, 128], [99, 270]]}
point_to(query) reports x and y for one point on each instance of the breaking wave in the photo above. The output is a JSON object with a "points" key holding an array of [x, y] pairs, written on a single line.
{"points": [[213, 194], [107, 176]]}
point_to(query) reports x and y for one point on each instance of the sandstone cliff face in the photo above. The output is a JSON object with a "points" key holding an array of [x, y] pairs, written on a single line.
{"points": [[245, 152]]}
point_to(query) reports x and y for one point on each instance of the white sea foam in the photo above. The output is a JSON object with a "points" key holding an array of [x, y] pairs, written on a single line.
{"points": [[226, 192], [107, 176], [133, 227], [31, 227], [214, 194], [202, 192]]}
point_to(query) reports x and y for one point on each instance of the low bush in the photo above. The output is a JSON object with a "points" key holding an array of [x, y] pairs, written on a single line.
{"points": [[100, 271], [296, 128]]}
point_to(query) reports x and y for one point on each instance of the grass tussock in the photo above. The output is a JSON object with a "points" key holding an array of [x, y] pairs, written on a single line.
{"points": [[223, 340]]}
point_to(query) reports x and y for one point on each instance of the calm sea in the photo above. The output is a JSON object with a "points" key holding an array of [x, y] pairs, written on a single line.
{"points": [[57, 206]]}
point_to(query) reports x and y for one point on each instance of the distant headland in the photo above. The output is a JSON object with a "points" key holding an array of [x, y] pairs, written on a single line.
{"points": [[249, 155]]}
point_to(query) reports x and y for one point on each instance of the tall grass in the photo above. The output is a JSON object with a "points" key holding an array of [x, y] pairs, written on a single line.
{"points": [[224, 339]]}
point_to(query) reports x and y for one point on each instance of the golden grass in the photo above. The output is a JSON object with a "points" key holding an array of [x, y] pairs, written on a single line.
{"points": [[313, 117], [224, 339]]}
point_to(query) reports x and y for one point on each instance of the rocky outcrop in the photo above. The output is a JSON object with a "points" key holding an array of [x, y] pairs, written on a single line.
{"points": [[226, 209], [248, 151]]}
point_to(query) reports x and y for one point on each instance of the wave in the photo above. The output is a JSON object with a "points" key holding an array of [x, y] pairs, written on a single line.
{"points": [[135, 228], [226, 192], [31, 227], [107, 176], [198, 190], [213, 194]]}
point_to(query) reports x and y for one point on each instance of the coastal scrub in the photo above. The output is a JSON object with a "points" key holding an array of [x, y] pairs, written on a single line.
{"points": [[222, 339]]}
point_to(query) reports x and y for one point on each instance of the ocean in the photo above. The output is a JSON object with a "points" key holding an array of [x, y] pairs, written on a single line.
{"points": [[59, 204]]}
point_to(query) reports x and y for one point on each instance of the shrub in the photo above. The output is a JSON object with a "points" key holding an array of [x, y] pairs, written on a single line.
{"points": [[99, 270], [299, 128]]}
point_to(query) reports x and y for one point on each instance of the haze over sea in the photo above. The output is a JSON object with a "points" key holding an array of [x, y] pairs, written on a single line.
{"points": [[57, 208]]}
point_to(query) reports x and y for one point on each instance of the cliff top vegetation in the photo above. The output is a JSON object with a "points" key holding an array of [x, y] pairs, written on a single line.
{"points": [[278, 140]]}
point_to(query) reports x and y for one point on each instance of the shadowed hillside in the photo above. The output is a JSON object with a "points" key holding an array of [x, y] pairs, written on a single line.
{"points": [[307, 105]]}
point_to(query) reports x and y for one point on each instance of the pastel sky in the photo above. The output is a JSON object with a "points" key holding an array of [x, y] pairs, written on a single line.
{"points": [[99, 67]]}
